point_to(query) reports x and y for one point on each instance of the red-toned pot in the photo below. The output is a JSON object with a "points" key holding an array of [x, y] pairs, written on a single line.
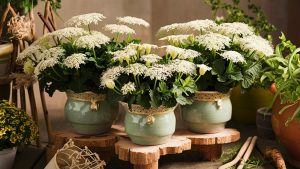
{"points": [[289, 136]]}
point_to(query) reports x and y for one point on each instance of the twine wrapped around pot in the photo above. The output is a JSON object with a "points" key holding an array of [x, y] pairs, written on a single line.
{"points": [[87, 96], [149, 113], [211, 96], [73, 157]]}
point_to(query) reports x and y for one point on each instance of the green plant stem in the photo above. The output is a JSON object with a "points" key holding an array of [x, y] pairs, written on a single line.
{"points": [[94, 53], [154, 87], [291, 59]]}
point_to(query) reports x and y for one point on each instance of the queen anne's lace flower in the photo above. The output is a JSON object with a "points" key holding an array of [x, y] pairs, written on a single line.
{"points": [[85, 19], [69, 33], [133, 21], [234, 56], [178, 40], [128, 88], [159, 72], [172, 29], [119, 29], [142, 49], [201, 26], [183, 66], [203, 69], [32, 52], [125, 54], [136, 69], [75, 60], [55, 52], [256, 44], [111, 74], [44, 65], [213, 41], [176, 52], [236, 28], [96, 39], [150, 58]]}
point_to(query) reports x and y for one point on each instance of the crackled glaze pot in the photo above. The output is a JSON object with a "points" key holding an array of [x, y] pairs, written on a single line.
{"points": [[209, 112], [152, 126], [89, 113]]}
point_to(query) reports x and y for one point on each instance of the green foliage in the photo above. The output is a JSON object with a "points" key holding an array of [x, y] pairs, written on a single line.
{"points": [[16, 127], [234, 13], [283, 69]]}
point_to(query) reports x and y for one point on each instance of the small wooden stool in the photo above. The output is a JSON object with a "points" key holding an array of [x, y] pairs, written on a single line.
{"points": [[146, 157], [102, 144]]}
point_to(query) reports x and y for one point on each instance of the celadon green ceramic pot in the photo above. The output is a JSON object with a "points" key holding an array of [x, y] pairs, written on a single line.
{"points": [[152, 126], [89, 113], [209, 112]]}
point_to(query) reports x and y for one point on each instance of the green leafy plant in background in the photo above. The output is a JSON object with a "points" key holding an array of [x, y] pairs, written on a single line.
{"points": [[233, 13], [283, 69]]}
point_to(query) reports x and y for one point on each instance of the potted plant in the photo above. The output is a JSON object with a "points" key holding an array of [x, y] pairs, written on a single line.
{"points": [[255, 17], [281, 71], [150, 87], [71, 60], [232, 52], [16, 128]]}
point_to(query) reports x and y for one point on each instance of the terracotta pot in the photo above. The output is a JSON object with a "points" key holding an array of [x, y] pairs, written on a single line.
{"points": [[264, 123], [289, 136]]}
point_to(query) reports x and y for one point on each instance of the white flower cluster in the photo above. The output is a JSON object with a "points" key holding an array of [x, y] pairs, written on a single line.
{"points": [[142, 49], [75, 60], [68, 33], [201, 26], [32, 52], [128, 88], [256, 44], [136, 69], [234, 56], [133, 21], [236, 28], [159, 72], [44, 65], [125, 54], [176, 52], [150, 58], [203, 69], [213, 41], [119, 29], [110, 75], [55, 52], [85, 19], [183, 66], [96, 39], [196, 26], [178, 40]]}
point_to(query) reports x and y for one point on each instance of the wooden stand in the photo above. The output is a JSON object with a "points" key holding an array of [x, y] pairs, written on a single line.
{"points": [[210, 145], [102, 144], [146, 157]]}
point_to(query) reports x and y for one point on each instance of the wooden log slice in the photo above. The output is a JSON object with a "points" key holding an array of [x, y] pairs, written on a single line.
{"points": [[228, 135], [148, 156]]}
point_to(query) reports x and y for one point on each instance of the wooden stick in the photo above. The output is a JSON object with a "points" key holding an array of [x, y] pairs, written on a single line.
{"points": [[248, 153], [276, 156], [13, 12], [53, 18], [46, 15], [45, 22], [22, 98], [239, 155], [33, 31], [4, 16], [45, 110], [52, 24], [33, 109]]}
